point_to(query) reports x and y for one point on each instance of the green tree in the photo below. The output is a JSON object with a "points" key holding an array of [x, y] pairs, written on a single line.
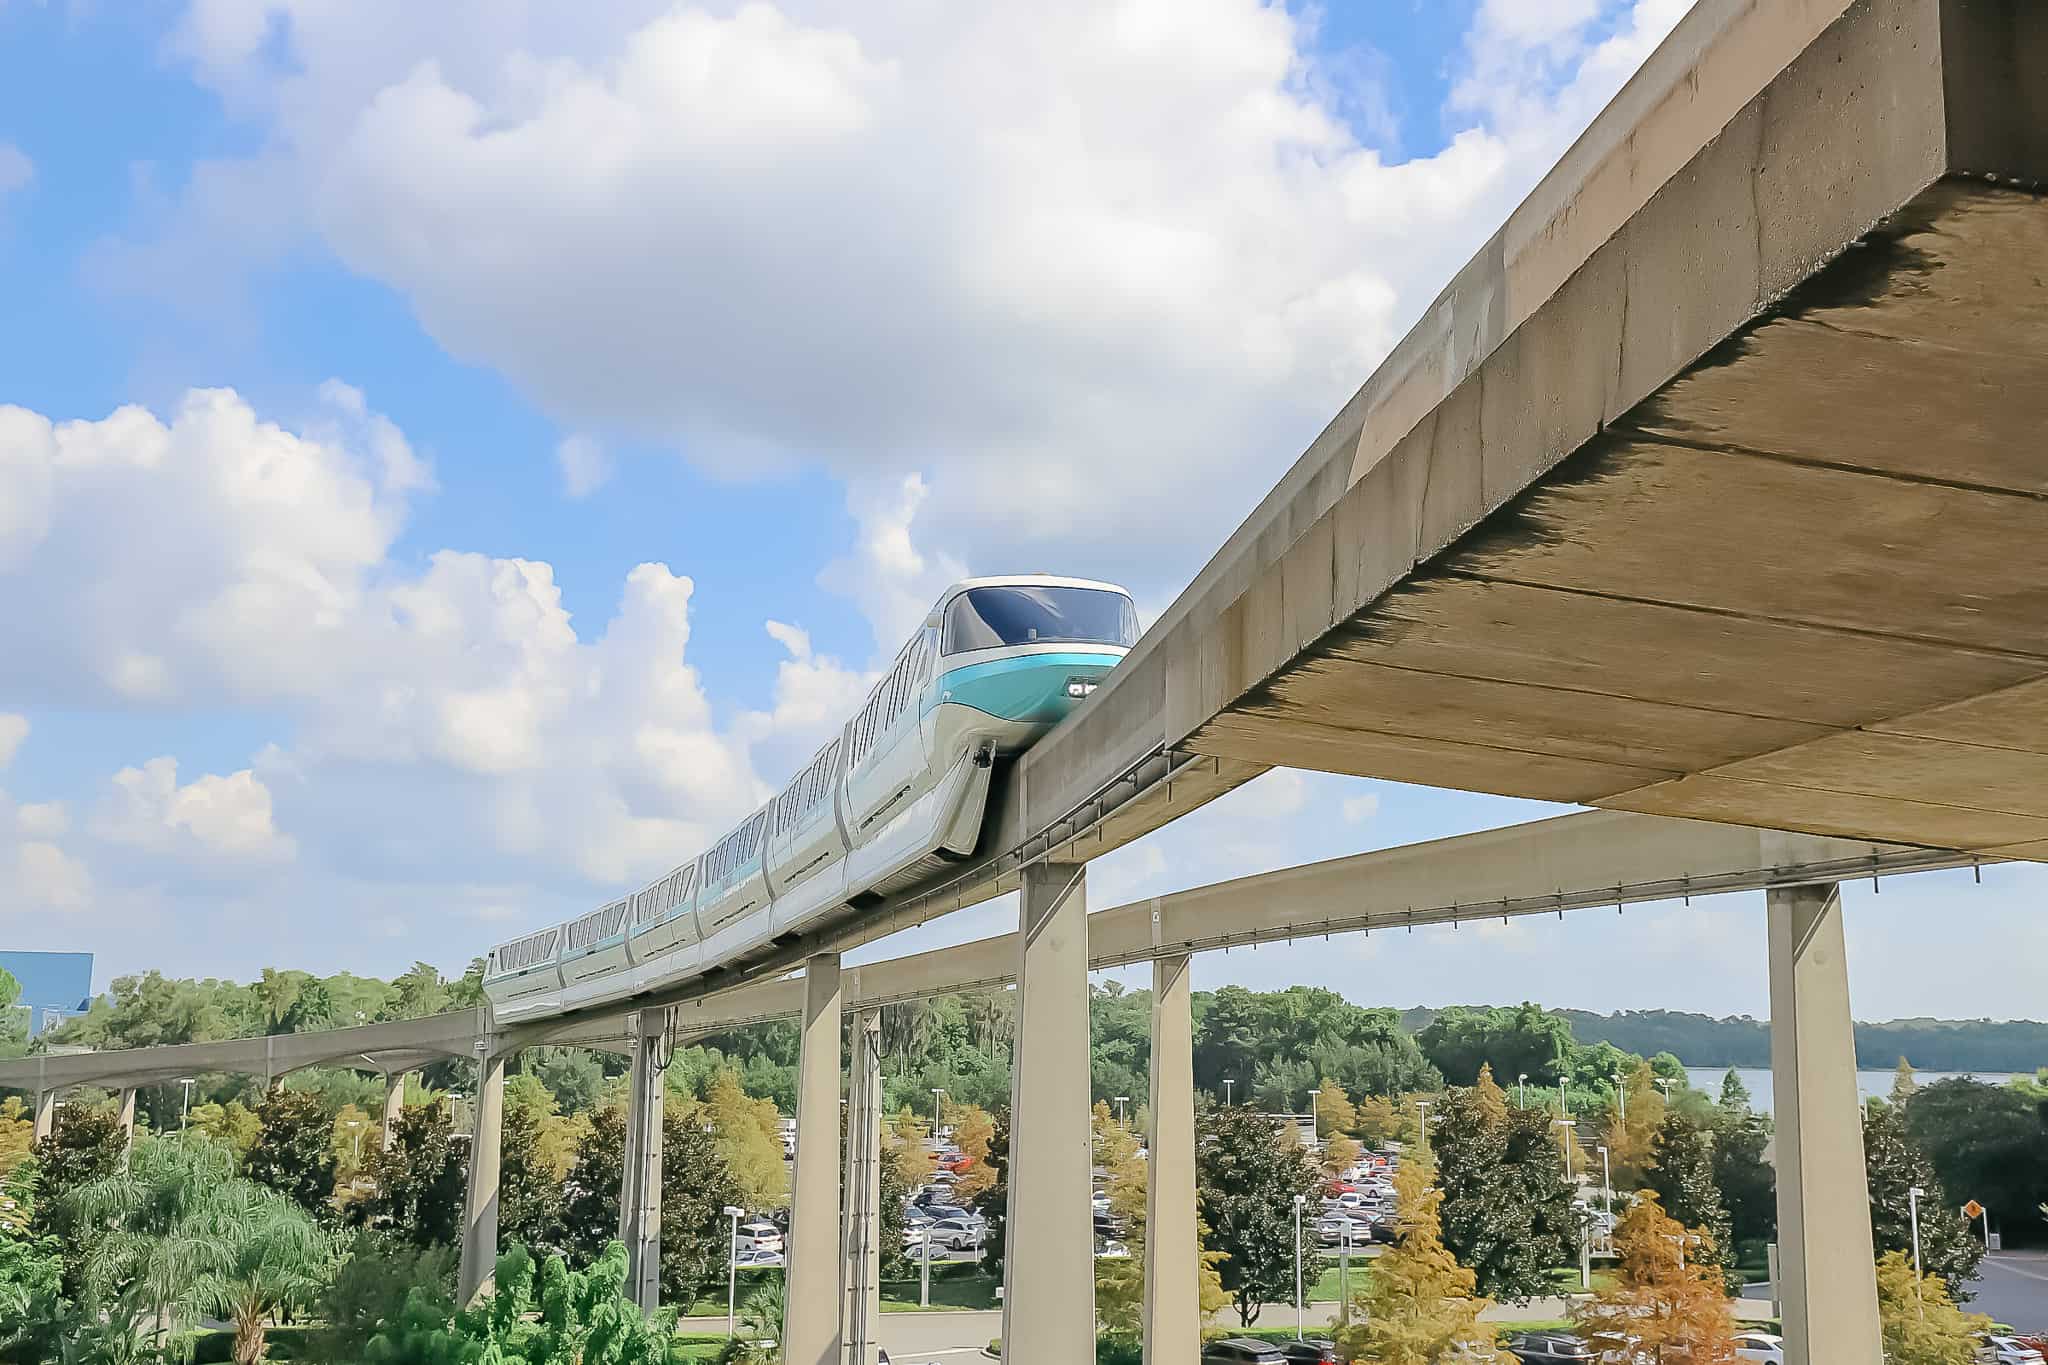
{"points": [[181, 1234], [1748, 1185], [1683, 1180], [1895, 1164], [86, 1145], [556, 1317], [13, 1017], [1506, 1208], [695, 1188], [529, 1189], [1419, 1306], [993, 1204], [1986, 1143], [1248, 1172], [1921, 1324], [32, 1305], [417, 992], [294, 1150], [1525, 1040], [1734, 1094], [370, 1288], [233, 1124], [419, 1181]]}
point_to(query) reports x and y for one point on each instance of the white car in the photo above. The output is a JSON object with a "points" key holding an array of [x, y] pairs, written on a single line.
{"points": [[760, 1235], [1760, 1346], [957, 1234], [1997, 1350]]}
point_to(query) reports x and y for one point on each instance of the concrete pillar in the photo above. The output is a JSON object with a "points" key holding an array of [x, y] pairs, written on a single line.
{"points": [[480, 1213], [811, 1320], [394, 1106], [863, 1190], [1049, 1262], [1824, 1239], [127, 1113], [640, 1184], [46, 1114], [1173, 1270]]}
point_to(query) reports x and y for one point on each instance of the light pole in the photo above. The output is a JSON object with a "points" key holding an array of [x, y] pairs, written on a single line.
{"points": [[732, 1273], [1300, 1315], [1227, 1083], [1913, 1212], [1522, 1090], [1621, 1097], [1567, 1125], [1344, 1273], [938, 1092], [924, 1289], [1607, 1186], [1121, 1101], [1422, 1108], [1564, 1107], [355, 1127], [1665, 1083], [185, 1114]]}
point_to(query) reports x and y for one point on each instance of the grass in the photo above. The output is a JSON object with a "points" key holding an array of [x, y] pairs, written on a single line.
{"points": [[954, 1288]]}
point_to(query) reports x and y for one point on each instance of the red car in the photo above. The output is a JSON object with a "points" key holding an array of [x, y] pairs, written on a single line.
{"points": [[1341, 1187], [957, 1164]]}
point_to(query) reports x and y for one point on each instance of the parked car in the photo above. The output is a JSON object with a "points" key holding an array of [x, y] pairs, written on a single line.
{"points": [[1549, 1348], [759, 1235], [1994, 1349], [958, 1234], [1760, 1346], [755, 1260], [1312, 1351], [1109, 1249], [1331, 1229], [1242, 1351]]}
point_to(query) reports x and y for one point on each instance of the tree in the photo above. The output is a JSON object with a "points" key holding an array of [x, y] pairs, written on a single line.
{"points": [[1894, 1164], [1734, 1094], [181, 1234], [973, 1129], [13, 1017], [294, 1151], [17, 1134], [419, 1180], [233, 1124], [1986, 1141], [696, 1187], [750, 1140], [529, 1189], [1120, 1281], [1524, 1040], [576, 1316], [1334, 1115], [370, 1287], [1505, 1208], [32, 1306], [993, 1205], [1248, 1172], [1921, 1324], [1419, 1306], [1381, 1120], [1634, 1120], [1904, 1082], [1340, 1154], [1667, 1290], [86, 1145], [417, 992], [1683, 1180], [1748, 1185]]}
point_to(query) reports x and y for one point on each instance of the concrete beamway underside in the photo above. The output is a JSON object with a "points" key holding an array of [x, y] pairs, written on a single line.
{"points": [[1748, 520]]}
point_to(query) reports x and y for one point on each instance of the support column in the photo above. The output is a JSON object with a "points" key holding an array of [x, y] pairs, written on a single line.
{"points": [[127, 1113], [863, 1190], [480, 1213], [1049, 1262], [46, 1114], [1824, 1239], [394, 1106], [1173, 1270], [810, 1328], [640, 1187]]}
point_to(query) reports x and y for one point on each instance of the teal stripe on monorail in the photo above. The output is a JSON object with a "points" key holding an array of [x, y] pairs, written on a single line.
{"points": [[1024, 687]]}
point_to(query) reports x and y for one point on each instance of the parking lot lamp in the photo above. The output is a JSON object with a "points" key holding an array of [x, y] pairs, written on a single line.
{"points": [[185, 1114], [1227, 1083], [1522, 1090], [1621, 1096], [1607, 1186], [924, 1291], [732, 1273], [1121, 1101], [1422, 1108], [1913, 1196], [938, 1093], [1299, 1312], [1567, 1125], [1344, 1274]]}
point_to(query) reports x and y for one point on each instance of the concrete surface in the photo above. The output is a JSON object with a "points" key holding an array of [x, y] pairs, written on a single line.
{"points": [[2012, 1287]]}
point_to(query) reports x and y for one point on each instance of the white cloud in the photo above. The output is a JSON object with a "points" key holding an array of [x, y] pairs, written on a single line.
{"points": [[1358, 809], [16, 170], [227, 817], [13, 730], [585, 465], [891, 580], [1057, 257], [45, 876], [42, 820]]}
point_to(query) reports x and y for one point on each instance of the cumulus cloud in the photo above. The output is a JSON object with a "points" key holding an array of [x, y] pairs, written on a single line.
{"points": [[46, 877], [1055, 257], [13, 730], [213, 816]]}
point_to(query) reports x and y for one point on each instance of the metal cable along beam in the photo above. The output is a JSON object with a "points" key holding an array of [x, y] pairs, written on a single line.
{"points": [[1582, 861]]}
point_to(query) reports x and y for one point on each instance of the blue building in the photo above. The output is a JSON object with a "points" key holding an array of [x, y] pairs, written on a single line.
{"points": [[54, 986]]}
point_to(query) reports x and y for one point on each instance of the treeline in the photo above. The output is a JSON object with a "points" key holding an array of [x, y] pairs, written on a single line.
{"points": [[1699, 1040]]}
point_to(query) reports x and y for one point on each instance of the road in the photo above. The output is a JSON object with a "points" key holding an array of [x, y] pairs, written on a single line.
{"points": [[2012, 1287]]}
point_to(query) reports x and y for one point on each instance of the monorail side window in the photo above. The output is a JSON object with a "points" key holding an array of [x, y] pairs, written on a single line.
{"points": [[990, 618]]}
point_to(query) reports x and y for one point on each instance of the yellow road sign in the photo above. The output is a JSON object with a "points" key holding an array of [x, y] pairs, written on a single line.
{"points": [[1973, 1209]]}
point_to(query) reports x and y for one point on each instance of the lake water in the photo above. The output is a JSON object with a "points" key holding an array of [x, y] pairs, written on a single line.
{"points": [[1868, 1083]]}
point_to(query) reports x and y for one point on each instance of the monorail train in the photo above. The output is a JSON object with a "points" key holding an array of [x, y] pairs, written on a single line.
{"points": [[886, 805]]}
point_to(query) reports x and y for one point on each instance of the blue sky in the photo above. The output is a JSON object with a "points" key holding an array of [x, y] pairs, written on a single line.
{"points": [[454, 459]]}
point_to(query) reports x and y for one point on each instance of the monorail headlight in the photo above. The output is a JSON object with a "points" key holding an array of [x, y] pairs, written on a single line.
{"points": [[1078, 688]]}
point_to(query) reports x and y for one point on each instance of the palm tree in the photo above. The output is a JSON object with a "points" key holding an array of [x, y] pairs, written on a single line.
{"points": [[181, 1234]]}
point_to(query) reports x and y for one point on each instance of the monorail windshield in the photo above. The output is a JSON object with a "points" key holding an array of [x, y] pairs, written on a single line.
{"points": [[989, 618]]}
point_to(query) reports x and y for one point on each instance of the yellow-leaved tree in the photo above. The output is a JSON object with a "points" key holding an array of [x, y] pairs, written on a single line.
{"points": [[1921, 1323], [17, 1134], [1667, 1291], [1120, 1281], [749, 1137], [1632, 1127], [1335, 1116], [903, 1149], [1380, 1120], [973, 1129], [233, 1123], [1419, 1306]]}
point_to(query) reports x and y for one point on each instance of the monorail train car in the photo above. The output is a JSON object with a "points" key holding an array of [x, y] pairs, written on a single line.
{"points": [[886, 805]]}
